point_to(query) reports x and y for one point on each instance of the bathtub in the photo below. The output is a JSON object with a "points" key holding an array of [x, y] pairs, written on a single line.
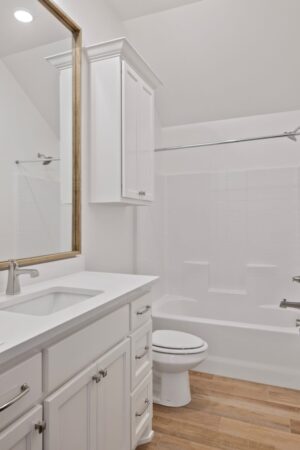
{"points": [[258, 343]]}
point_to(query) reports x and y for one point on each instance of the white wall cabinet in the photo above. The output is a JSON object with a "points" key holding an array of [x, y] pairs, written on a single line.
{"points": [[122, 125], [22, 435]]}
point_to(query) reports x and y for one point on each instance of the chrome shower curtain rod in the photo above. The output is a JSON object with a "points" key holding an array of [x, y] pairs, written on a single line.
{"points": [[291, 135]]}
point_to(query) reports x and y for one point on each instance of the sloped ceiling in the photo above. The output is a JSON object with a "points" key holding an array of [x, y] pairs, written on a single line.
{"points": [[136, 8], [220, 59]]}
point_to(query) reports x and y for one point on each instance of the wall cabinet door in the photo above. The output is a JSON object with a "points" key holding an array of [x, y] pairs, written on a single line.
{"points": [[130, 111], [113, 400], [69, 414], [145, 149], [22, 435], [138, 136]]}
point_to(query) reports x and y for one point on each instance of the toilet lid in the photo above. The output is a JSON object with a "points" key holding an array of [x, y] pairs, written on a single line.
{"points": [[177, 342]]}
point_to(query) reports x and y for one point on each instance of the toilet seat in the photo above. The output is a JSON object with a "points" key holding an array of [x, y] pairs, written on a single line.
{"points": [[177, 343]]}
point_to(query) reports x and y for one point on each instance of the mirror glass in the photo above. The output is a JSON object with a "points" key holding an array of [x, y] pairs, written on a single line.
{"points": [[36, 131]]}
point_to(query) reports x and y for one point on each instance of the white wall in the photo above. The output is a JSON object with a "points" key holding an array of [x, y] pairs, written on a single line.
{"points": [[228, 217]]}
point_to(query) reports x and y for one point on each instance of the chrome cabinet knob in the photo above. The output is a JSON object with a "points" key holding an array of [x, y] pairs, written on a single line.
{"points": [[40, 426], [97, 378], [103, 373]]}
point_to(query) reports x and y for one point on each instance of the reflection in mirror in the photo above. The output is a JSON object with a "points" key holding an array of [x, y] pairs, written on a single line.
{"points": [[36, 131]]}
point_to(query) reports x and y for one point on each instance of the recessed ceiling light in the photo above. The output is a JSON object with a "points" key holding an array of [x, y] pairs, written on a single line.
{"points": [[23, 16]]}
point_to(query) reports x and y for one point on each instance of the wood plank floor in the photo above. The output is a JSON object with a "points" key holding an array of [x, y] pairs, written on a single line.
{"points": [[228, 414]]}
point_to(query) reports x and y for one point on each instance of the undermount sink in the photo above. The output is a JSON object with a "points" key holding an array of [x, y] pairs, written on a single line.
{"points": [[50, 301]]}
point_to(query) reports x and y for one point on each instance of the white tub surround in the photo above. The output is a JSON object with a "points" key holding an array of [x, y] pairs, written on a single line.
{"points": [[86, 361], [255, 343]]}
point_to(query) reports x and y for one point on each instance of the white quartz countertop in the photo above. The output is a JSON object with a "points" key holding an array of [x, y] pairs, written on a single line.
{"points": [[21, 332]]}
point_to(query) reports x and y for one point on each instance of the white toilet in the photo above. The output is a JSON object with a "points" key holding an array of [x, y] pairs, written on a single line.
{"points": [[174, 354]]}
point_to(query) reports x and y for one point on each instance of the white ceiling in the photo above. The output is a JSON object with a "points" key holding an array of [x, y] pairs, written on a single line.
{"points": [[135, 8], [220, 59], [16, 37]]}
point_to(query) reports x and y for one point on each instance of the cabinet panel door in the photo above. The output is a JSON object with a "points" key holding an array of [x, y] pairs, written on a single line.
{"points": [[145, 151], [130, 106], [22, 434], [113, 400], [69, 414]]}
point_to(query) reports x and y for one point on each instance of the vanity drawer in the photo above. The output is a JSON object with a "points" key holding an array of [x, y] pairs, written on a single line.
{"points": [[141, 353], [141, 310], [69, 356], [20, 388], [141, 409]]}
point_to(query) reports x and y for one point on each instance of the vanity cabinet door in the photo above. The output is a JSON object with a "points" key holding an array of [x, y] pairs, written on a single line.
{"points": [[70, 414], [113, 400], [22, 435]]}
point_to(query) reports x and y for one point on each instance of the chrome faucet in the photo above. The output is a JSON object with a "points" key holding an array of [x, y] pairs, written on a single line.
{"points": [[13, 282], [286, 304]]}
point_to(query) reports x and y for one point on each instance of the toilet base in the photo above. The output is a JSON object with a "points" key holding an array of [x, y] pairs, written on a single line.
{"points": [[171, 389]]}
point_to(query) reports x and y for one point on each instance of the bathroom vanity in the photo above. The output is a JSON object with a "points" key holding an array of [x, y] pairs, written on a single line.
{"points": [[75, 364]]}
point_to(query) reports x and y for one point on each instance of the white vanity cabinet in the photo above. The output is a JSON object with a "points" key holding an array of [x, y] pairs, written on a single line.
{"points": [[87, 389], [122, 125]]}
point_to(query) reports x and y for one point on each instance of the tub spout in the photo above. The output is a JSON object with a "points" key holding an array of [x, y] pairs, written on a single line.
{"points": [[286, 304]]}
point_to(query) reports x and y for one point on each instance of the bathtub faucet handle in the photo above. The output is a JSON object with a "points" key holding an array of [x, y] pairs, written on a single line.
{"points": [[296, 278]]}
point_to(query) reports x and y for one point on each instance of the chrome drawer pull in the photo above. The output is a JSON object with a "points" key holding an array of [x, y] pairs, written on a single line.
{"points": [[143, 311], [147, 403], [143, 193], [23, 391], [143, 354]]}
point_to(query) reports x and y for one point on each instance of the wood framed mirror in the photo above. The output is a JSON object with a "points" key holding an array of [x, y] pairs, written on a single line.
{"points": [[40, 170]]}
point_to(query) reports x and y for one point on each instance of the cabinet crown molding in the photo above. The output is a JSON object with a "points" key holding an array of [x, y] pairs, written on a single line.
{"points": [[61, 61], [124, 50]]}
